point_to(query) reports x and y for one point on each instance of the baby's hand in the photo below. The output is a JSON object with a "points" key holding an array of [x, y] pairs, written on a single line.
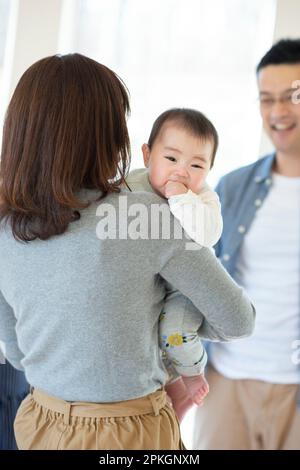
{"points": [[173, 188]]}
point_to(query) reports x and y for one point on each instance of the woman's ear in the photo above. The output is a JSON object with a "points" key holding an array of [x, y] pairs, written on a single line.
{"points": [[146, 154]]}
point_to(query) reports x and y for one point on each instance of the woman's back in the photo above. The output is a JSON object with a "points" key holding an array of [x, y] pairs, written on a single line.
{"points": [[87, 309]]}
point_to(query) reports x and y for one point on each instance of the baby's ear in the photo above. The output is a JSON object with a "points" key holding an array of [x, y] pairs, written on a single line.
{"points": [[146, 154]]}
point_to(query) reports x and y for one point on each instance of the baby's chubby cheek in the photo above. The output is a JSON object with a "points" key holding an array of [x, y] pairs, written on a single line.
{"points": [[198, 184], [157, 183]]}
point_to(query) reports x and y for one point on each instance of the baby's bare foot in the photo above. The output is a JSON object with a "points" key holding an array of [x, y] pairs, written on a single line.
{"points": [[197, 387], [181, 399]]}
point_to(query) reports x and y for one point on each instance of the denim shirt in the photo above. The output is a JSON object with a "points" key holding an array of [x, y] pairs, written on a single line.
{"points": [[242, 192]]}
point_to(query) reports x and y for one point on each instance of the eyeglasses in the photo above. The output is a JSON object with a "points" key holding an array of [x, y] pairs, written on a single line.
{"points": [[289, 100]]}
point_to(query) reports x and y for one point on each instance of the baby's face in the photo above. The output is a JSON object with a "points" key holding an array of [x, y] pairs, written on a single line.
{"points": [[177, 156]]}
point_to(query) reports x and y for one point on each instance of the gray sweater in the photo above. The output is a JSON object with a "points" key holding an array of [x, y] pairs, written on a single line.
{"points": [[80, 314]]}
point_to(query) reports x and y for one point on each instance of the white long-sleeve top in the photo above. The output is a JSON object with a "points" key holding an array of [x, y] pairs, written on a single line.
{"points": [[198, 214]]}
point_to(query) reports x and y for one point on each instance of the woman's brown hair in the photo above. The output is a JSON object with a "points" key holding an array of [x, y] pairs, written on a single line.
{"points": [[65, 130]]}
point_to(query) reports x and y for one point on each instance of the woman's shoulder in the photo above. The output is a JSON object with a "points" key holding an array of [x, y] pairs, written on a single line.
{"points": [[134, 197]]}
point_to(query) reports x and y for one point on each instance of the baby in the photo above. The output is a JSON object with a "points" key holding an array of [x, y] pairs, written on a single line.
{"points": [[179, 154]]}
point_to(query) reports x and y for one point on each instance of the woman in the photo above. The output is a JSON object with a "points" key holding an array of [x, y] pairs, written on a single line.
{"points": [[80, 292]]}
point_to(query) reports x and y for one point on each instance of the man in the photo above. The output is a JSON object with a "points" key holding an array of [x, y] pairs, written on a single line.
{"points": [[254, 383]]}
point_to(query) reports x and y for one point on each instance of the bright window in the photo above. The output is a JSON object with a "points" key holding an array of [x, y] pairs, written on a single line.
{"points": [[199, 53]]}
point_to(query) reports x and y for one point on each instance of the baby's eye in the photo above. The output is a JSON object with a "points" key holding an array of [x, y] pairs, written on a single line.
{"points": [[197, 166], [172, 159]]}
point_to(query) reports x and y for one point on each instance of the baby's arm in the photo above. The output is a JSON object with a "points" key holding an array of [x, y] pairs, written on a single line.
{"points": [[199, 215]]}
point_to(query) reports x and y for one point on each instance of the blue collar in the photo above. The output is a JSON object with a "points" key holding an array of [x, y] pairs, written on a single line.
{"points": [[265, 169]]}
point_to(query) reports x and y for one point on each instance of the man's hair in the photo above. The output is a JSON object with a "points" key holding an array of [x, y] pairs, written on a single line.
{"points": [[65, 130], [191, 120], [285, 51]]}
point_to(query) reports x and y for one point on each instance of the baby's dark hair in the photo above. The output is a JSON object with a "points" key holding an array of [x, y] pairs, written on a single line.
{"points": [[191, 120]]}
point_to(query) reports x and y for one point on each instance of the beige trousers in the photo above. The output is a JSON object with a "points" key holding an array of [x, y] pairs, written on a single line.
{"points": [[46, 422], [247, 415]]}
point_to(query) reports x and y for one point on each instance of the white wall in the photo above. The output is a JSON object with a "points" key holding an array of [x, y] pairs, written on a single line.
{"points": [[287, 25], [37, 32], [33, 33], [287, 19]]}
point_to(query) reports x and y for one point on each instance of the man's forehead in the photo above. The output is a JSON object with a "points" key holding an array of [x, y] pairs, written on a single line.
{"points": [[278, 78]]}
